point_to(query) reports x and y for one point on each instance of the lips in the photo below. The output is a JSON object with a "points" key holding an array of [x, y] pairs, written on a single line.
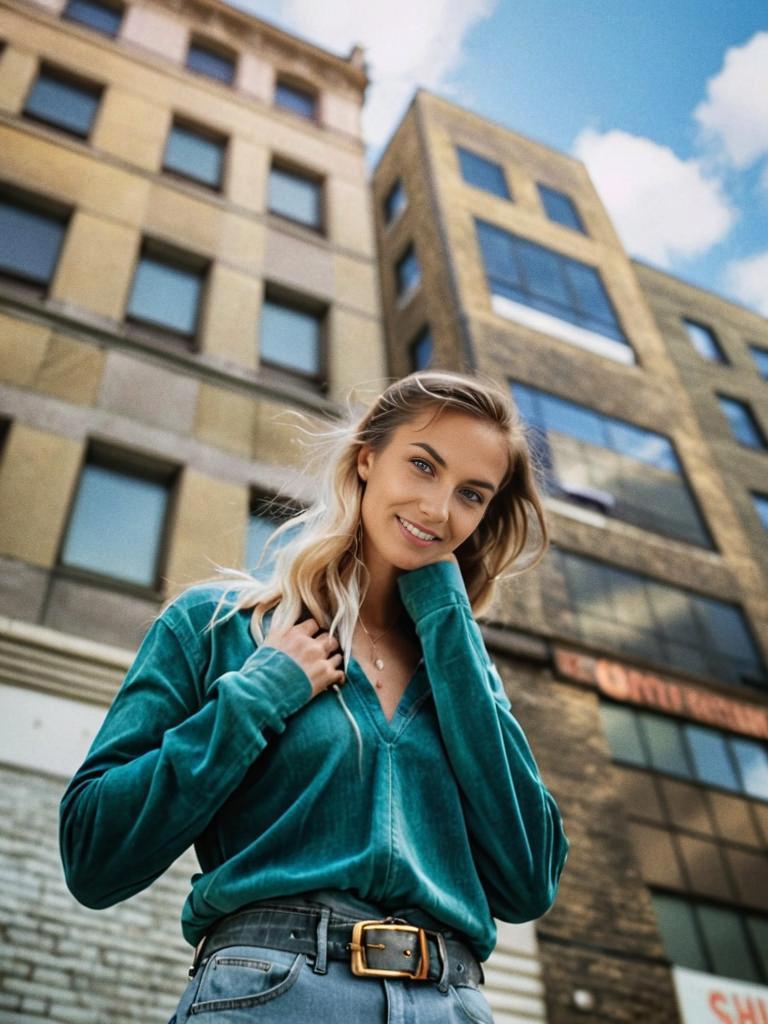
{"points": [[418, 539]]}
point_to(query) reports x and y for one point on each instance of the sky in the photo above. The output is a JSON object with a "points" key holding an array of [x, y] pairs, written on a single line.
{"points": [[665, 101]]}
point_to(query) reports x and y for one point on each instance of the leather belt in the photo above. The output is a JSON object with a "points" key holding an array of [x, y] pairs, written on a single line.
{"points": [[389, 948]]}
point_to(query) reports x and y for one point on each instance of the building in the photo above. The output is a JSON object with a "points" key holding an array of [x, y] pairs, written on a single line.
{"points": [[182, 187], [635, 654]]}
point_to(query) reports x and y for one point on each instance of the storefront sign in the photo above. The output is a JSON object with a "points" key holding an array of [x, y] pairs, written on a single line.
{"points": [[707, 999], [634, 686]]}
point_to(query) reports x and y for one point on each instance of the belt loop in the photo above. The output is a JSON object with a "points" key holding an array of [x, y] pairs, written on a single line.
{"points": [[321, 959], [442, 984]]}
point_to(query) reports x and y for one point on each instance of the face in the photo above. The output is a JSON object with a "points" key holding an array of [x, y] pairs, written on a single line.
{"points": [[428, 488]]}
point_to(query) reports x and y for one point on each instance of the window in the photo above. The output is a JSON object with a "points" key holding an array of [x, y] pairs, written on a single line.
{"points": [[560, 208], [615, 609], [760, 355], [211, 61], [482, 173], [195, 153], [166, 291], [395, 202], [761, 505], [117, 523], [525, 276], [407, 272], [61, 100], [422, 349], [30, 240], [296, 196], [291, 336], [743, 424], [704, 341], [621, 470], [266, 516], [103, 17], [296, 99]]}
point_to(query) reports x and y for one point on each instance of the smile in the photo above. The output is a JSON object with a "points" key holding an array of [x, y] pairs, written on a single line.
{"points": [[416, 533]]}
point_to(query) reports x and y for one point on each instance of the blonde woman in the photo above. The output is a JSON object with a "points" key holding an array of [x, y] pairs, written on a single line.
{"points": [[336, 742]]}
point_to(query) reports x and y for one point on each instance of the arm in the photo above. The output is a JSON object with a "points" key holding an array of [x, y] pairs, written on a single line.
{"points": [[514, 823], [166, 758]]}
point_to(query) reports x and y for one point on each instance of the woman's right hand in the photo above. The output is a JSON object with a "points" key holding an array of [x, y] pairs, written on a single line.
{"points": [[318, 656]]}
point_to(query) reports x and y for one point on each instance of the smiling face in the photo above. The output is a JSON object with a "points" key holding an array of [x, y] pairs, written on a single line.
{"points": [[428, 488]]}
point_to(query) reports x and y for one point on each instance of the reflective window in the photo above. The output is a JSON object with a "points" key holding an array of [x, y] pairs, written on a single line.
{"points": [[761, 505], [422, 349], [264, 520], [665, 744], [622, 730], [760, 355], [560, 208], [290, 336], [394, 202], [679, 931], [30, 241], [704, 341], [407, 271], [116, 526], [743, 423], [726, 941], [711, 758], [752, 759], [195, 154], [297, 100], [104, 17], [64, 102], [525, 272], [482, 173], [615, 467], [211, 62], [166, 294], [295, 196]]}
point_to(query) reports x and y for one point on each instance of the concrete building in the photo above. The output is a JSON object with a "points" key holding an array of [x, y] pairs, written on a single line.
{"points": [[635, 654]]}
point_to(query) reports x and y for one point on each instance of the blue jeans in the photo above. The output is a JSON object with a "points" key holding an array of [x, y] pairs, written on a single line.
{"points": [[246, 984]]}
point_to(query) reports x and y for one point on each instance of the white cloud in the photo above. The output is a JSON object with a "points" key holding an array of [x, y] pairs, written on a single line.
{"points": [[735, 113], [664, 208], [407, 44], [747, 279]]}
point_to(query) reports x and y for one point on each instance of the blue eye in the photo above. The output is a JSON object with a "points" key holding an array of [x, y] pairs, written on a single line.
{"points": [[475, 499], [423, 463]]}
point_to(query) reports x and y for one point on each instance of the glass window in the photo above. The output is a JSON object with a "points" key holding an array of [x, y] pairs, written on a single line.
{"points": [[211, 62], [710, 757], [422, 349], [294, 98], [560, 207], [30, 241], [752, 760], [395, 202], [677, 927], [295, 196], [116, 525], [761, 504], [622, 731], [758, 929], [290, 336], [482, 173], [760, 355], [104, 17], [64, 102], [704, 341], [743, 423], [665, 743], [195, 154], [166, 293], [407, 271], [265, 517], [729, 953]]}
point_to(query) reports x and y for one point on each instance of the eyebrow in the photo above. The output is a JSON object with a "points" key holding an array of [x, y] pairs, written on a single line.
{"points": [[439, 458]]}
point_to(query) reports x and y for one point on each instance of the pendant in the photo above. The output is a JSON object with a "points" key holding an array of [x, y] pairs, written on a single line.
{"points": [[378, 684], [379, 664]]}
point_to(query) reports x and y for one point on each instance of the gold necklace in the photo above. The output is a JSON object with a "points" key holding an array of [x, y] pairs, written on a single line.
{"points": [[378, 662]]}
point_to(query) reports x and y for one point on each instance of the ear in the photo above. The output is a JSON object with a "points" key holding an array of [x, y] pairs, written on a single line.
{"points": [[364, 461]]}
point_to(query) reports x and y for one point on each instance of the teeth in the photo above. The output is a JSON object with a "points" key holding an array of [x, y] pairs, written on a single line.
{"points": [[415, 532]]}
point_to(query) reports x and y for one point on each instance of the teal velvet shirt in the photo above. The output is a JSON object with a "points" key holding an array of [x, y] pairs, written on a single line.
{"points": [[215, 742]]}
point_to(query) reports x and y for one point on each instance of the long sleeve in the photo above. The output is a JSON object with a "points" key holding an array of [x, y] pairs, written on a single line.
{"points": [[516, 829], [169, 753]]}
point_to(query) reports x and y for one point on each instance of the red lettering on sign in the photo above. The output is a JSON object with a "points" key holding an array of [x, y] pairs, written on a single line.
{"points": [[715, 999]]}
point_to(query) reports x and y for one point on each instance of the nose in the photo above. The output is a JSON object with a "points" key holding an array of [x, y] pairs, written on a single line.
{"points": [[434, 506]]}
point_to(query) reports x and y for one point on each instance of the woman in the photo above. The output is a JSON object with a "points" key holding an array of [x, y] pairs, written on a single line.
{"points": [[411, 799]]}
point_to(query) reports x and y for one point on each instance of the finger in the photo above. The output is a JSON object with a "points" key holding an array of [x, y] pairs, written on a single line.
{"points": [[309, 626], [336, 659], [330, 642]]}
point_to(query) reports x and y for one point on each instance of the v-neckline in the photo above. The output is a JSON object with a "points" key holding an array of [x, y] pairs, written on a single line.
{"points": [[388, 726]]}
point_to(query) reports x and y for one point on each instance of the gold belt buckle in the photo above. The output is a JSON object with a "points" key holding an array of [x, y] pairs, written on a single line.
{"points": [[358, 947]]}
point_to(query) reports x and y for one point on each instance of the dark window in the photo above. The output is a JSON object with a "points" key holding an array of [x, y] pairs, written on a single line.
{"points": [[61, 100], [266, 515], [296, 196], [407, 271], [211, 61], [761, 505], [104, 17], [760, 355], [545, 280], [167, 292], [294, 98], [422, 349], [195, 153], [482, 173], [743, 424], [394, 202], [30, 240], [117, 524], [704, 341], [615, 609], [607, 464], [291, 336], [560, 208]]}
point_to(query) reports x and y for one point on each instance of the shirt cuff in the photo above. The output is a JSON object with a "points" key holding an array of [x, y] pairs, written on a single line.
{"points": [[431, 587], [283, 681]]}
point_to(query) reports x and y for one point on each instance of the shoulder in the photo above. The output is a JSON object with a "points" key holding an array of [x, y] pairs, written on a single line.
{"points": [[193, 609]]}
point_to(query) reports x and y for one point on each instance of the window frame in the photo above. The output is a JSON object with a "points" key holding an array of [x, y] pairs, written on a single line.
{"points": [[114, 5], [45, 207], [751, 419], [720, 357], [65, 76], [298, 87], [214, 49], [161, 252], [424, 333], [259, 496], [543, 190], [391, 219], [290, 168], [405, 292], [763, 350], [279, 295], [204, 132], [462, 152]]}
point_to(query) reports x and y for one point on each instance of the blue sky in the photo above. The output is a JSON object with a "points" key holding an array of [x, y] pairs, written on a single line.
{"points": [[666, 101]]}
